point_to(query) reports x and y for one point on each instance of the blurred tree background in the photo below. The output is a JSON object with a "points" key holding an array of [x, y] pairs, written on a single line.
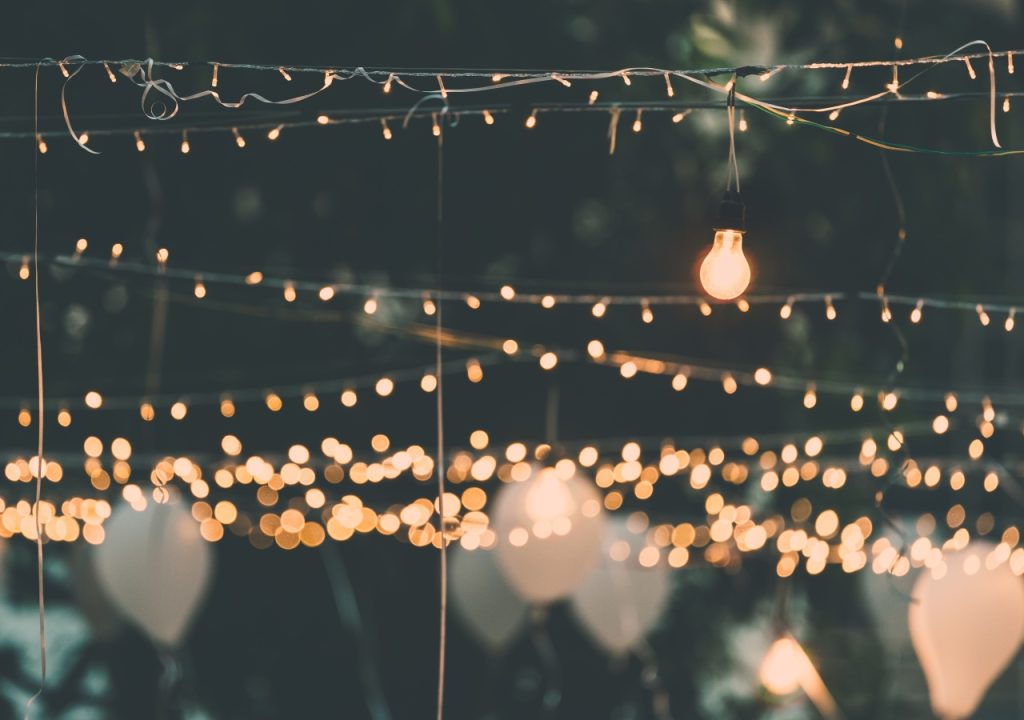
{"points": [[539, 209]]}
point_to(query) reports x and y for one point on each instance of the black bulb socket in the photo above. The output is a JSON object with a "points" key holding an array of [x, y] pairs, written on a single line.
{"points": [[732, 213]]}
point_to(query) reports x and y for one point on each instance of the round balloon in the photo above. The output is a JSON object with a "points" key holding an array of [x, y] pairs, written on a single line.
{"points": [[885, 597], [155, 567], [549, 532], [620, 600], [487, 606], [966, 627]]}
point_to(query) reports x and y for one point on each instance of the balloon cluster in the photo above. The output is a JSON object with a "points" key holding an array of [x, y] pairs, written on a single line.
{"points": [[555, 543]]}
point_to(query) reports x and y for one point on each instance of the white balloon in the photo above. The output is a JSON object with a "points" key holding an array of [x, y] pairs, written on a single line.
{"points": [[620, 600], [485, 603], [562, 523], [885, 597], [155, 567], [966, 628]]}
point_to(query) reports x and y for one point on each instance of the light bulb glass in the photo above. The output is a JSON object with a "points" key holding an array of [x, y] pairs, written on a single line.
{"points": [[725, 272], [783, 667]]}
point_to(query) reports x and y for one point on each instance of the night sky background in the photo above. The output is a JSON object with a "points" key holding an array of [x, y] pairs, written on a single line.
{"points": [[542, 209]]}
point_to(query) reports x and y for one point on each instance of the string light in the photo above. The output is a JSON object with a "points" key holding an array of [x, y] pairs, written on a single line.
{"points": [[638, 124], [80, 247], [289, 292], [894, 85], [185, 147], [435, 127], [786, 311], [846, 78], [1009, 323], [24, 272], [239, 140], [669, 90], [625, 78], [531, 121], [200, 289], [886, 313], [488, 117], [441, 87], [559, 79], [110, 73], [285, 74], [742, 125], [498, 77], [915, 314], [1006, 104], [646, 315], [322, 119], [983, 317], [830, 309], [213, 80], [274, 133], [63, 69], [970, 68], [384, 129], [810, 397], [594, 94], [161, 257], [116, 250], [857, 402], [41, 144], [1009, 63], [140, 145]]}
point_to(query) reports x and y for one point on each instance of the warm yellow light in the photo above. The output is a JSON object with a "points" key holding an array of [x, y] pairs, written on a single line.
{"points": [[725, 272], [784, 667]]}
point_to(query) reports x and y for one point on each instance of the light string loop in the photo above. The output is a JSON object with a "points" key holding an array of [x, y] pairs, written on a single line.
{"points": [[63, 99]]}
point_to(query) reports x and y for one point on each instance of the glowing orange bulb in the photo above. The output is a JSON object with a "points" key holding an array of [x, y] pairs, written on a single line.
{"points": [[725, 272], [783, 667]]}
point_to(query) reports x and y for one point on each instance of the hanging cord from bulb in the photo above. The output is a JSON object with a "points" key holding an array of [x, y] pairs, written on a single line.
{"points": [[730, 107]]}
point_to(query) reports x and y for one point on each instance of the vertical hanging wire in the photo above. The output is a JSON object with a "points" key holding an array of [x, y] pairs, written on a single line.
{"points": [[730, 108], [439, 328], [40, 466]]}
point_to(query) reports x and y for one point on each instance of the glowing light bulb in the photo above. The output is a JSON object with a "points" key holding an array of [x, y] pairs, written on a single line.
{"points": [[784, 667], [725, 272]]}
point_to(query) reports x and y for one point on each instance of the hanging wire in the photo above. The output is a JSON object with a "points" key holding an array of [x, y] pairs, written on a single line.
{"points": [[734, 168], [41, 463], [438, 348]]}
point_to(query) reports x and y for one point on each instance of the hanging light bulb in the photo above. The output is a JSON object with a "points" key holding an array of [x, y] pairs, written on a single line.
{"points": [[725, 272], [784, 667]]}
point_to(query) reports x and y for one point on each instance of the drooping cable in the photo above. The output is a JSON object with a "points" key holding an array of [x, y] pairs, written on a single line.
{"points": [[41, 464], [438, 357]]}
